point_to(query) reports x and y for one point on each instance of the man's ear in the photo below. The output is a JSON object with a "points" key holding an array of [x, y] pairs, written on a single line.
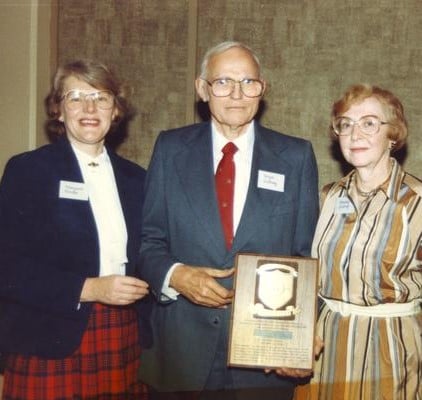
{"points": [[264, 83], [201, 89]]}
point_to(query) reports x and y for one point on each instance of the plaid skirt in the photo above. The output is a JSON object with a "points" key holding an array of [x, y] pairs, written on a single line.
{"points": [[104, 367]]}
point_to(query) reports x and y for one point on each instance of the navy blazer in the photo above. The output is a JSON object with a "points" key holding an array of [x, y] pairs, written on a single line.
{"points": [[49, 246], [181, 223]]}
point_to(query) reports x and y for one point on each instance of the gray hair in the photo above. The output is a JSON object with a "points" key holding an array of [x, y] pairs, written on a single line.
{"points": [[221, 48]]}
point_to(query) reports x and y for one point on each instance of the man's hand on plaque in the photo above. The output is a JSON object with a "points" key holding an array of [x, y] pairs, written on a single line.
{"points": [[200, 286]]}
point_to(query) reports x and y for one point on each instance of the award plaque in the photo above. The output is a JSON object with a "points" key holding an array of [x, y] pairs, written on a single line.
{"points": [[274, 312]]}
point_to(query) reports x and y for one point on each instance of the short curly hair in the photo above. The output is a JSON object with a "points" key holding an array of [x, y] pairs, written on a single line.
{"points": [[392, 107], [95, 74]]}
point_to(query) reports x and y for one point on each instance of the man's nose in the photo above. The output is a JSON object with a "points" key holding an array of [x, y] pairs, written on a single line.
{"points": [[237, 91]]}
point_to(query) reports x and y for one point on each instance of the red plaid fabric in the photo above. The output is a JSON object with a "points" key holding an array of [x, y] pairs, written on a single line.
{"points": [[104, 367]]}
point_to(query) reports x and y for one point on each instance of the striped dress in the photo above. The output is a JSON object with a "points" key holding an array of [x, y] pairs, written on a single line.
{"points": [[370, 256]]}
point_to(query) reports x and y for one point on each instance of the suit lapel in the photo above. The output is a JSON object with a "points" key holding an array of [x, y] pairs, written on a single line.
{"points": [[66, 162], [130, 200], [123, 187], [194, 166], [259, 202], [76, 214], [130, 197]]}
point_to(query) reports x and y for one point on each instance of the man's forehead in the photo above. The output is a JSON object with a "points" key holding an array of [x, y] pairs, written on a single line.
{"points": [[232, 60]]}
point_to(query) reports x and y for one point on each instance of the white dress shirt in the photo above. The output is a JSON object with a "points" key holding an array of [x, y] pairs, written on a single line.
{"points": [[104, 199], [243, 163]]}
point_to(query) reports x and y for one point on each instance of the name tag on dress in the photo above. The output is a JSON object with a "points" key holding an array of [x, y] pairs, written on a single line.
{"points": [[344, 206], [73, 190], [271, 181]]}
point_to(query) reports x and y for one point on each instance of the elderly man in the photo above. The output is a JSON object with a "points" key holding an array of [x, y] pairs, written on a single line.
{"points": [[215, 189]]}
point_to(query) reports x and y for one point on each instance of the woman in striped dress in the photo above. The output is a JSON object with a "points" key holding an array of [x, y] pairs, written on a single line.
{"points": [[368, 241]]}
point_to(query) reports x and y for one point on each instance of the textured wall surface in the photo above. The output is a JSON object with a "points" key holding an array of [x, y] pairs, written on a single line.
{"points": [[145, 42], [311, 50]]}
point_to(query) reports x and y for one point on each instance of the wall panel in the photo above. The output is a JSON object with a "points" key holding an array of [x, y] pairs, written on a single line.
{"points": [[145, 42], [311, 51]]}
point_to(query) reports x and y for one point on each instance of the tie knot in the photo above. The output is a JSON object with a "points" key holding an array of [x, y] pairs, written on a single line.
{"points": [[229, 149]]}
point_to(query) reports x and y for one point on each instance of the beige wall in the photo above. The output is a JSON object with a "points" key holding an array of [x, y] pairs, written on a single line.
{"points": [[311, 51], [151, 44], [26, 54]]}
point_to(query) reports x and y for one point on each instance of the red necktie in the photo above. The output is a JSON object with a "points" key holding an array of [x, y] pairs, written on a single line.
{"points": [[224, 183]]}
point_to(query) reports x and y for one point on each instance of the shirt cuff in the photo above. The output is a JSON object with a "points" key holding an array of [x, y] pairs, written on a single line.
{"points": [[167, 292]]}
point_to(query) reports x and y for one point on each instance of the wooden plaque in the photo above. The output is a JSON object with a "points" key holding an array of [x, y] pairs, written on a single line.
{"points": [[274, 312]]}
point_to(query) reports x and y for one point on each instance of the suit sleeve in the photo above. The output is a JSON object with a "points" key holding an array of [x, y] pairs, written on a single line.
{"points": [[307, 216], [155, 257]]}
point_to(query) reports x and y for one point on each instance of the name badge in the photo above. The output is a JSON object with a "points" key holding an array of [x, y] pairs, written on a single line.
{"points": [[271, 181], [73, 190], [344, 206]]}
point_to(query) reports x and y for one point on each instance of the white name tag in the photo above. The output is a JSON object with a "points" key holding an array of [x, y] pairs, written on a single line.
{"points": [[73, 190], [344, 206], [271, 181]]}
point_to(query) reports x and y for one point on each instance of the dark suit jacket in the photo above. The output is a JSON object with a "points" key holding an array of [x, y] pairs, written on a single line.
{"points": [[181, 223], [49, 246]]}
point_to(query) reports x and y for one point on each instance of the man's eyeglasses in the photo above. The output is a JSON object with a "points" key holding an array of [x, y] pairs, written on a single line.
{"points": [[368, 124], [75, 99], [223, 87]]}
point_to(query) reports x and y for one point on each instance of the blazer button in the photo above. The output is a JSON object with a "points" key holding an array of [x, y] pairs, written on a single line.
{"points": [[216, 320]]}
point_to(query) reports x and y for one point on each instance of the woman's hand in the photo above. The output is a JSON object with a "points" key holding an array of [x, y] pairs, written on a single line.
{"points": [[298, 372], [114, 290]]}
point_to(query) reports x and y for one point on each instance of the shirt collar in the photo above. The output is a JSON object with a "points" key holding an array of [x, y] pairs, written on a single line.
{"points": [[244, 142], [86, 159], [390, 187]]}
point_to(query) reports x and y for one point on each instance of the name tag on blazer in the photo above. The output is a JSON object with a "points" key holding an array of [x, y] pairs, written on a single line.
{"points": [[270, 181], [73, 190]]}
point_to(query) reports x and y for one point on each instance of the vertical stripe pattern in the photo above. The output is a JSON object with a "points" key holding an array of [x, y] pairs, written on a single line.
{"points": [[369, 257]]}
